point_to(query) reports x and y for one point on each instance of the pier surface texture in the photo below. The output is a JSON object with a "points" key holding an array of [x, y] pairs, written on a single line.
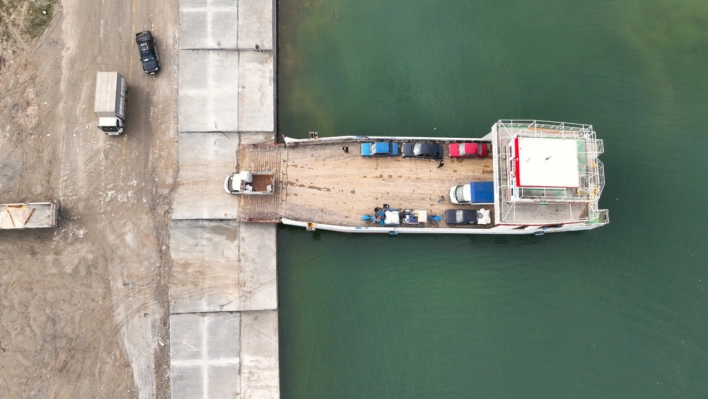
{"points": [[223, 285], [322, 184]]}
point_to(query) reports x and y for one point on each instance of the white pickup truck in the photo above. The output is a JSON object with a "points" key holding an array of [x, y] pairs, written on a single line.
{"points": [[250, 183]]}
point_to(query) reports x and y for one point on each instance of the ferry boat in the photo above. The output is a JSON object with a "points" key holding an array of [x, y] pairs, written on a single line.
{"points": [[523, 177]]}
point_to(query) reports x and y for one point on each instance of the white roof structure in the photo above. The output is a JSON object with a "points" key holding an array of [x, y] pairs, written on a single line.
{"points": [[546, 162]]}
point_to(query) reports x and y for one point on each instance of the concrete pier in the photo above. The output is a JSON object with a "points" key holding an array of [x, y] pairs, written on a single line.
{"points": [[223, 283]]}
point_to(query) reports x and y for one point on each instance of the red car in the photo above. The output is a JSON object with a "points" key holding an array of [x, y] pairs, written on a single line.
{"points": [[468, 150]]}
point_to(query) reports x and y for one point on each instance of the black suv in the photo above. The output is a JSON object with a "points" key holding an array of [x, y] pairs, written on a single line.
{"points": [[148, 52], [461, 216], [422, 150]]}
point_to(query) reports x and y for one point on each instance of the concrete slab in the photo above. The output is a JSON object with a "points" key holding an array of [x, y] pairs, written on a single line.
{"points": [[205, 159], [258, 260], [187, 382], [223, 337], [223, 381], [185, 331], [209, 91], [210, 273], [255, 107], [205, 355], [255, 24], [208, 24], [260, 376], [205, 271]]}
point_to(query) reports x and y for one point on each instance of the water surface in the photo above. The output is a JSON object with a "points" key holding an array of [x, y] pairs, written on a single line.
{"points": [[621, 311]]}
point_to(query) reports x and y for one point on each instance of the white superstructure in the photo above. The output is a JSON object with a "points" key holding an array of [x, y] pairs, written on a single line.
{"points": [[547, 175]]}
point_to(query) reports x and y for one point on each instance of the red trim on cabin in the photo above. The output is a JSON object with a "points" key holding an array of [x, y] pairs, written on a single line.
{"points": [[516, 152]]}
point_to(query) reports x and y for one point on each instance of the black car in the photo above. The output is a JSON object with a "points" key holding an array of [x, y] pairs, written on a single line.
{"points": [[422, 150], [461, 216], [148, 52]]}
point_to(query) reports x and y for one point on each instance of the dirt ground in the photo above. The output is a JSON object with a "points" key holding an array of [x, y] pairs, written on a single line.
{"points": [[84, 307]]}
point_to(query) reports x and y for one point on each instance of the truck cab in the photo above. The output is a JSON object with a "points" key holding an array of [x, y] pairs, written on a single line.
{"points": [[473, 193], [112, 126]]}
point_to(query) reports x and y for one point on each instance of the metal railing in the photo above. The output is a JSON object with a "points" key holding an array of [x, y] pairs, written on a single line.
{"points": [[515, 204]]}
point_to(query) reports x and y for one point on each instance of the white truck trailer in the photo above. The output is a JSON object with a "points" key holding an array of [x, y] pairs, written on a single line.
{"points": [[251, 183], [110, 104], [33, 215]]}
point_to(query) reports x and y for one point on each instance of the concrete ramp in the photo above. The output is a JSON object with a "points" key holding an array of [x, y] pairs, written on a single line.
{"points": [[209, 91], [223, 283], [221, 265], [205, 355], [205, 159], [225, 355], [208, 24]]}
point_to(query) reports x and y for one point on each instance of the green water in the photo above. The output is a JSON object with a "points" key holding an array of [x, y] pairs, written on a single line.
{"points": [[618, 312]]}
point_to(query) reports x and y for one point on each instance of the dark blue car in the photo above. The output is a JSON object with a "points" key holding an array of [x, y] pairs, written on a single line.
{"points": [[148, 52], [422, 150], [379, 149]]}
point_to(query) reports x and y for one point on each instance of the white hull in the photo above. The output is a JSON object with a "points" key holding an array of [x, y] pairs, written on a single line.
{"points": [[508, 230]]}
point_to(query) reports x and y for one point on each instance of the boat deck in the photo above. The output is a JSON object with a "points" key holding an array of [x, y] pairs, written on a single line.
{"points": [[320, 183]]}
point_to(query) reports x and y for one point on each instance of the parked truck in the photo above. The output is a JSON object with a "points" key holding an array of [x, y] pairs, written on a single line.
{"points": [[477, 192], [33, 215], [252, 183], [466, 217], [110, 103]]}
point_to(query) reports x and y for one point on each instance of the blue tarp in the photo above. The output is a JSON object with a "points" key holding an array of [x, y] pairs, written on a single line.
{"points": [[482, 192]]}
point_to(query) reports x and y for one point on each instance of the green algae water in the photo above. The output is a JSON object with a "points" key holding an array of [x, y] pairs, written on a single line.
{"points": [[618, 312]]}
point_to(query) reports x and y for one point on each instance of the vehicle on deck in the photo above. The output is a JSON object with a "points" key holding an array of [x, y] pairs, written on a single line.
{"points": [[414, 216], [468, 150], [379, 149], [476, 192], [148, 52], [387, 216], [250, 183], [467, 216], [422, 150]]}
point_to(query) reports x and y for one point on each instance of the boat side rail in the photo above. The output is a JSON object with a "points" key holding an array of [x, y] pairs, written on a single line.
{"points": [[362, 139]]}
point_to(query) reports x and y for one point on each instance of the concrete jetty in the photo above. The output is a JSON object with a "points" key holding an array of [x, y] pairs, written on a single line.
{"points": [[223, 284]]}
